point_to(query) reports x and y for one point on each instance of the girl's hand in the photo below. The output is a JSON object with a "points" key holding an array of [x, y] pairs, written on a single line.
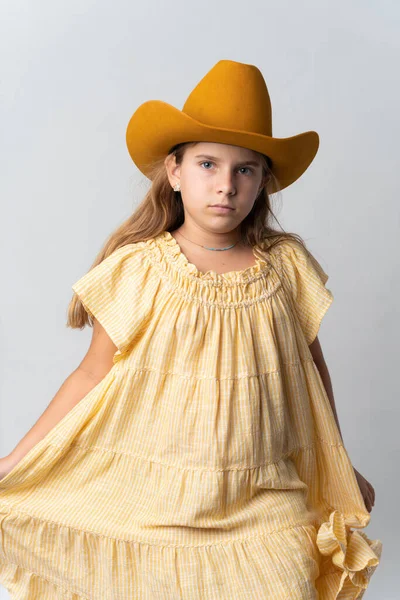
{"points": [[367, 491], [6, 465]]}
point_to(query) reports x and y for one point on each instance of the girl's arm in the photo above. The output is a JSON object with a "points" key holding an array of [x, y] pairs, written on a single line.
{"points": [[93, 368], [366, 489], [318, 357]]}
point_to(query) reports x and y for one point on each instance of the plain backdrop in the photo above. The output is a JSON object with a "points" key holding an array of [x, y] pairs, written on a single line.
{"points": [[72, 74]]}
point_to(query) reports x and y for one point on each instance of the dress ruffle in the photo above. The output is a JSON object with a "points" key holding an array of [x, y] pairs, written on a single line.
{"points": [[232, 290], [175, 254], [87, 565], [351, 559], [77, 567]]}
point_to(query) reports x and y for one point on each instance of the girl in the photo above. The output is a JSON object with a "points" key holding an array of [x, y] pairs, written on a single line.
{"points": [[195, 453]]}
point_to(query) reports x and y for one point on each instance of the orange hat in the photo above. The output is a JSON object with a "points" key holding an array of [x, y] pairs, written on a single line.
{"points": [[230, 105]]}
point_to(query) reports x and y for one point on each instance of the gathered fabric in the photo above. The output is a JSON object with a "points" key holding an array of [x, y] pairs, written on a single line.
{"points": [[207, 464]]}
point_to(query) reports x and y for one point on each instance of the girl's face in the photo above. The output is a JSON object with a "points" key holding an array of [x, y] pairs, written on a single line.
{"points": [[213, 173]]}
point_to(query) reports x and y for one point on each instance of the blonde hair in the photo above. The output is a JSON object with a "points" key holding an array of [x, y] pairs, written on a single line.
{"points": [[162, 210]]}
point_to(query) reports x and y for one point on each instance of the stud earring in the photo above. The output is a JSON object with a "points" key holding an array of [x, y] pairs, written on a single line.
{"points": [[177, 187]]}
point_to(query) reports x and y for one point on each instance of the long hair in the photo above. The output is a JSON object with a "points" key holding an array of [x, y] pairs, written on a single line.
{"points": [[162, 210]]}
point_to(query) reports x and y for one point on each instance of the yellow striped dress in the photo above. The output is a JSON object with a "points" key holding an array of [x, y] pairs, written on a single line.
{"points": [[207, 464]]}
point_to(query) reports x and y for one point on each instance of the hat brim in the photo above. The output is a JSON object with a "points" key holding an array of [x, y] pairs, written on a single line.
{"points": [[156, 126]]}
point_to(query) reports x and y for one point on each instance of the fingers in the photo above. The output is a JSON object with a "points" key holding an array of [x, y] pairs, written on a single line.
{"points": [[370, 500], [372, 492]]}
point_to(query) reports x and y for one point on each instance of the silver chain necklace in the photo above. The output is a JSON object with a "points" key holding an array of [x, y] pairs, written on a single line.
{"points": [[218, 249]]}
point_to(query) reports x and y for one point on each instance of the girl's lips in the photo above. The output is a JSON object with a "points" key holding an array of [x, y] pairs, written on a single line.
{"points": [[222, 209]]}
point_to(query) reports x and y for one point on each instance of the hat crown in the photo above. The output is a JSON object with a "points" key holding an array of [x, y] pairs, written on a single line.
{"points": [[232, 95]]}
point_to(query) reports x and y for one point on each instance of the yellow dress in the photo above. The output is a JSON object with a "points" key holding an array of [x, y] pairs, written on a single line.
{"points": [[207, 464]]}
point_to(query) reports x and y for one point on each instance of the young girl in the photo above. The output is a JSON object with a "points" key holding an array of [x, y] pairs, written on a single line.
{"points": [[195, 453]]}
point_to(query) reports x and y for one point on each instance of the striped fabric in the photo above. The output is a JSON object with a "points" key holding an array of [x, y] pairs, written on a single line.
{"points": [[207, 464]]}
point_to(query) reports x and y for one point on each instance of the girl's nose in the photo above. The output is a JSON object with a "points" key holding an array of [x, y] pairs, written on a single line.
{"points": [[226, 183]]}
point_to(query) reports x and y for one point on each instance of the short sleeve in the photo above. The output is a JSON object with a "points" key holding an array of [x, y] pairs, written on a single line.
{"points": [[113, 292], [307, 281]]}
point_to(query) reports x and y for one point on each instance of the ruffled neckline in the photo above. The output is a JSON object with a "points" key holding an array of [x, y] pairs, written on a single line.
{"points": [[175, 255]]}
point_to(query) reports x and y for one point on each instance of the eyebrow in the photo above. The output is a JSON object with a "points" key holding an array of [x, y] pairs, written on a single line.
{"points": [[245, 162]]}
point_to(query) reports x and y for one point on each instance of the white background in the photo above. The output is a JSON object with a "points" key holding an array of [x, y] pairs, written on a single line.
{"points": [[72, 74]]}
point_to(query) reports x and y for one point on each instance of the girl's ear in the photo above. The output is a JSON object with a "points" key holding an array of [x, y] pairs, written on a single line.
{"points": [[173, 170], [167, 164]]}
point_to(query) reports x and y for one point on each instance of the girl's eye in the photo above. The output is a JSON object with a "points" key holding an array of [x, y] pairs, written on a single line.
{"points": [[208, 162]]}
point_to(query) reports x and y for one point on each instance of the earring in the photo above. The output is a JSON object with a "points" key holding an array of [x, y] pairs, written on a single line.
{"points": [[177, 187]]}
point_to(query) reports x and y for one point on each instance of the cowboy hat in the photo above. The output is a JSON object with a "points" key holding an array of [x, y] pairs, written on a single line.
{"points": [[229, 105]]}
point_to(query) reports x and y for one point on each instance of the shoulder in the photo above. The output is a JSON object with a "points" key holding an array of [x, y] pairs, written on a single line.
{"points": [[297, 260], [125, 252], [289, 247], [121, 262], [118, 272]]}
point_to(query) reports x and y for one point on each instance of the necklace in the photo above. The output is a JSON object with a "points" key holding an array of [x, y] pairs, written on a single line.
{"points": [[218, 249]]}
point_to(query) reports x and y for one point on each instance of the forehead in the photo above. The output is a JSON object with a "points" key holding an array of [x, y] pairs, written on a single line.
{"points": [[223, 151]]}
